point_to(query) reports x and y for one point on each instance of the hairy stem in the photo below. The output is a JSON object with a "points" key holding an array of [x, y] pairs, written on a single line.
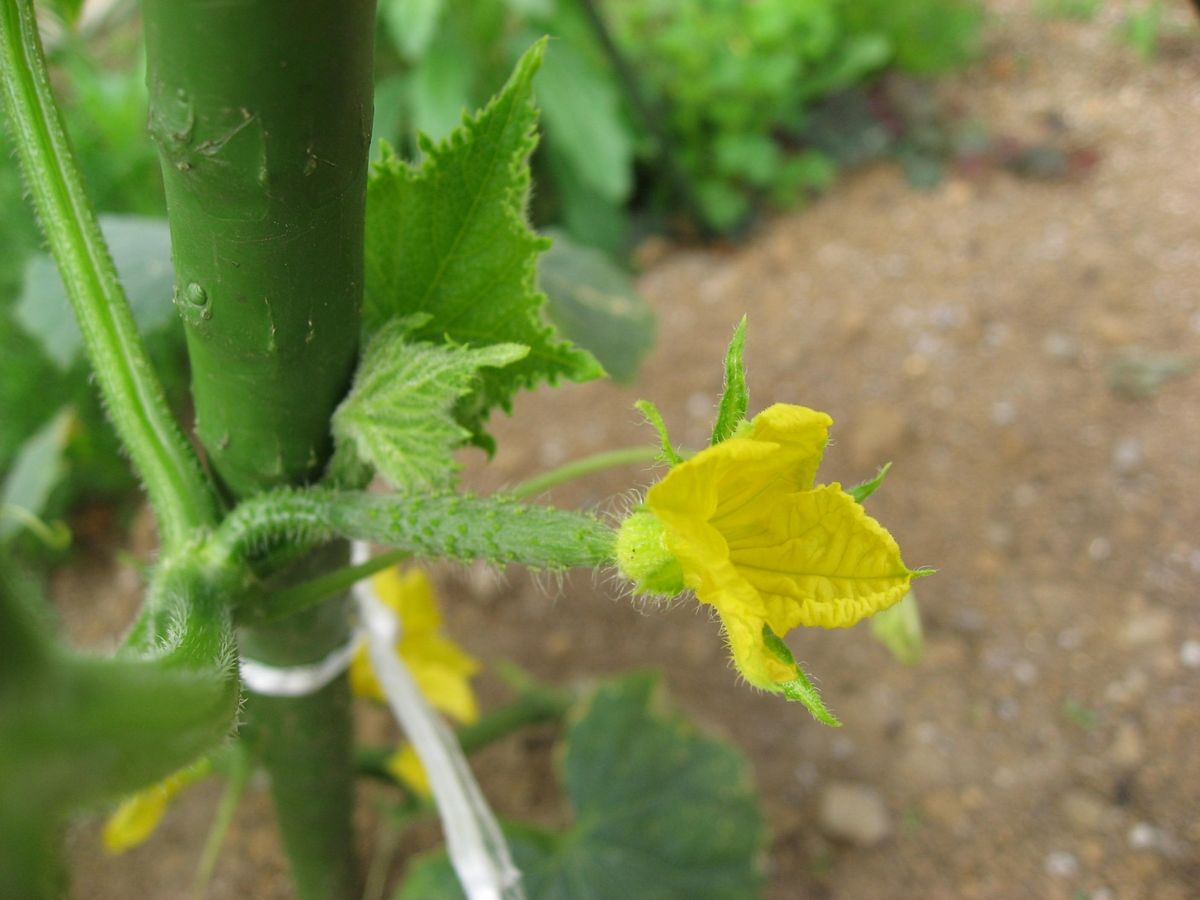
{"points": [[452, 526], [181, 497]]}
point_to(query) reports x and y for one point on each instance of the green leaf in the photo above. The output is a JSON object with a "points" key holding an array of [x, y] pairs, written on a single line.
{"points": [[36, 471], [440, 87], [595, 304], [731, 411], [582, 108], [587, 216], [399, 416], [30, 388], [861, 492], [661, 812], [450, 239], [141, 249], [800, 688], [411, 24]]}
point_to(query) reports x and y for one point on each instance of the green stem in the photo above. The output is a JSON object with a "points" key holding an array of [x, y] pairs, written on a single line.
{"points": [[235, 785], [133, 396], [451, 526], [581, 467], [262, 113]]}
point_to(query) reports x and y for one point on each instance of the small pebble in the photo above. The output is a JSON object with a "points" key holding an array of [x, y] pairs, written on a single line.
{"points": [[1060, 347], [1189, 654], [1061, 864], [1144, 836], [855, 813], [1126, 750], [1025, 672], [1003, 413], [1099, 549], [1127, 455]]}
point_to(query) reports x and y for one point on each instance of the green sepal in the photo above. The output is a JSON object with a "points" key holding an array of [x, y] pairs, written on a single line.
{"points": [[399, 416], [800, 688], [899, 629], [735, 398], [651, 414], [450, 238], [861, 492]]}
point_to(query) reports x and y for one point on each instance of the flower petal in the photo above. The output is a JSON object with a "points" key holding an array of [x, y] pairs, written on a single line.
{"points": [[409, 594], [819, 560], [406, 767]]}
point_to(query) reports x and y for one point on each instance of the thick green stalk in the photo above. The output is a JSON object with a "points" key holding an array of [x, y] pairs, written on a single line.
{"points": [[134, 398], [262, 112]]}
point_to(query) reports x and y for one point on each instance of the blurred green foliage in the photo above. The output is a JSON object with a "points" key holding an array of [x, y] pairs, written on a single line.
{"points": [[737, 81], [103, 98]]}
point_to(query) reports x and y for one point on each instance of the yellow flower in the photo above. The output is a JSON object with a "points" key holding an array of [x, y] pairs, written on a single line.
{"points": [[756, 540], [440, 667], [137, 817]]}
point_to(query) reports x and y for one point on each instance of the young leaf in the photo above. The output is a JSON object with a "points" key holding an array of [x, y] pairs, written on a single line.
{"points": [[398, 416], [734, 399], [660, 811], [450, 238]]}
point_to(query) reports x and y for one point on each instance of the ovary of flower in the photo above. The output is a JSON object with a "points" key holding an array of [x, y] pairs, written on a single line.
{"points": [[441, 669], [756, 540]]}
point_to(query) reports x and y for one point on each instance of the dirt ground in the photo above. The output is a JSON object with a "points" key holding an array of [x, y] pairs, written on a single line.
{"points": [[983, 337]]}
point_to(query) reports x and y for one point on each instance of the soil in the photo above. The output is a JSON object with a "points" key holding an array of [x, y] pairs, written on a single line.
{"points": [[992, 338]]}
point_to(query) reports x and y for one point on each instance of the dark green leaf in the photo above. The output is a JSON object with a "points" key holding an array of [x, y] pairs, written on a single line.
{"points": [[582, 109], [662, 812], [595, 304]]}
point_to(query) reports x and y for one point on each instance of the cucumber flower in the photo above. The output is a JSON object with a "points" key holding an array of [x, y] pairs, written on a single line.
{"points": [[743, 525], [441, 669]]}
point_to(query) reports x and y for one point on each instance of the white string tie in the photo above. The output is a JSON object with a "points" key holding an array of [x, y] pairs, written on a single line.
{"points": [[474, 842]]}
